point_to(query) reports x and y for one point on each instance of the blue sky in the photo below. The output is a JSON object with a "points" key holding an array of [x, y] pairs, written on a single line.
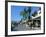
{"points": [[15, 12]]}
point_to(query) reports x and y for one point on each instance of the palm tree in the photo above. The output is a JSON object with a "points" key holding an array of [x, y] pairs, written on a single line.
{"points": [[24, 13], [34, 14], [29, 11]]}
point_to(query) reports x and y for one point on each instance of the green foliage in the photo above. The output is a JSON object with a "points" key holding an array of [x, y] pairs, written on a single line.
{"points": [[26, 13]]}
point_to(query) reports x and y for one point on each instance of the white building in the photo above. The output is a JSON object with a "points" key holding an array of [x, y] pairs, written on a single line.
{"points": [[38, 15]]}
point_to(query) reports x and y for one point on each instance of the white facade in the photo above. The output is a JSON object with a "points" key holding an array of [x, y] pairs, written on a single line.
{"points": [[38, 15]]}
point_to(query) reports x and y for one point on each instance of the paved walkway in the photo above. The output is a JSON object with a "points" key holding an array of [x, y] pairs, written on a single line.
{"points": [[23, 27]]}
